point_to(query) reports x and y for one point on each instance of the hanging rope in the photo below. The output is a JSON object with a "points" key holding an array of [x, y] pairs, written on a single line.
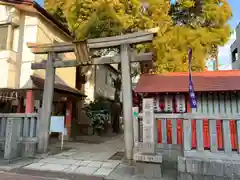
{"points": [[8, 96]]}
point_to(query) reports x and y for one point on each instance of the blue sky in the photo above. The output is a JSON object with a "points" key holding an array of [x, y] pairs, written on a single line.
{"points": [[39, 2], [224, 52]]}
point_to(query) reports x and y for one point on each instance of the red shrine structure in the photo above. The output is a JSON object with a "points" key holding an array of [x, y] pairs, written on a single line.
{"points": [[217, 92]]}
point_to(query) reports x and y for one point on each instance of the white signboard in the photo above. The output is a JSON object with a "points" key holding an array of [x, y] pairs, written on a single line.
{"points": [[57, 124]]}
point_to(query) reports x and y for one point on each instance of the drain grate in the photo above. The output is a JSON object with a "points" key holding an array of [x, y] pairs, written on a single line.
{"points": [[117, 156]]}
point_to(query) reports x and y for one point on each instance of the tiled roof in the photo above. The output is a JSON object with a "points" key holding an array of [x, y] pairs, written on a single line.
{"points": [[178, 82], [39, 83]]}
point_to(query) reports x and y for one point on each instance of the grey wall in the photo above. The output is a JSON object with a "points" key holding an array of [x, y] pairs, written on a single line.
{"points": [[236, 44], [103, 86]]}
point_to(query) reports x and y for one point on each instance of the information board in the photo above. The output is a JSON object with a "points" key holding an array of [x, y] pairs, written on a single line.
{"points": [[57, 124]]}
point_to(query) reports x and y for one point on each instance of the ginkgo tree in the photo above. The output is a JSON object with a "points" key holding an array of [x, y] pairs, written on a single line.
{"points": [[199, 24]]}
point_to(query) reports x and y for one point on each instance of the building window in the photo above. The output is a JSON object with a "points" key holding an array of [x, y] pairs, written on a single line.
{"points": [[235, 55], [3, 37]]}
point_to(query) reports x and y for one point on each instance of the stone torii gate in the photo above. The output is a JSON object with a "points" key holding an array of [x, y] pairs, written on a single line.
{"points": [[82, 59]]}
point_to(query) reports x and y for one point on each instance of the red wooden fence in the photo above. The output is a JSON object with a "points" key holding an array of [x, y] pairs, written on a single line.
{"points": [[194, 136]]}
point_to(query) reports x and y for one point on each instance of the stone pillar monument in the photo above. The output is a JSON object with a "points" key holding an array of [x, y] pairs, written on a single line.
{"points": [[11, 145], [148, 162]]}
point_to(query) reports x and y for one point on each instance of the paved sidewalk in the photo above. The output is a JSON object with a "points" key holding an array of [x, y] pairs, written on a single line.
{"points": [[88, 159], [92, 160], [88, 167]]}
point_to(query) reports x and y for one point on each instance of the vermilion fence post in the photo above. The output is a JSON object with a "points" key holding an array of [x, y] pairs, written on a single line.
{"points": [[169, 131], [159, 126], [179, 131], [206, 136], [233, 134]]}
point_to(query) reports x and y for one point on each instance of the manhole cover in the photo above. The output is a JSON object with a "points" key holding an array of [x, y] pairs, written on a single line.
{"points": [[117, 156]]}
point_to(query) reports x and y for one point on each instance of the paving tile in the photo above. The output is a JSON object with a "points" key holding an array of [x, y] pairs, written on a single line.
{"points": [[84, 163], [98, 158], [73, 150], [68, 153], [103, 172], [53, 167], [48, 160], [71, 169], [34, 166], [97, 164], [110, 164], [115, 161], [59, 161], [79, 162], [123, 170], [86, 170], [77, 157]]}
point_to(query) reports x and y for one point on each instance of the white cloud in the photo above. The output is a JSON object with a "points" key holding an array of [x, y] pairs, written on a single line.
{"points": [[224, 55]]}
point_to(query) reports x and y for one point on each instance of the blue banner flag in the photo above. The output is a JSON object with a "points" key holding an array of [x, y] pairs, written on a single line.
{"points": [[193, 100]]}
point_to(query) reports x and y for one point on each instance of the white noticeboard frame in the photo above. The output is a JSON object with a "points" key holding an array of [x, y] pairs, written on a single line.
{"points": [[57, 125]]}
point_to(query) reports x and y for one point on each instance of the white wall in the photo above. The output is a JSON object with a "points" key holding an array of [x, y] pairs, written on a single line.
{"points": [[3, 13], [39, 30], [5, 56], [48, 33], [30, 35], [3, 73], [33, 28]]}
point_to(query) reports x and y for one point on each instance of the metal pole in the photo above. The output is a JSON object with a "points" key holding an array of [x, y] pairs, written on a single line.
{"points": [[45, 114], [127, 101]]}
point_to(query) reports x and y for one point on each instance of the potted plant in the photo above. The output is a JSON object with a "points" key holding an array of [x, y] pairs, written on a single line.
{"points": [[98, 123], [97, 112]]}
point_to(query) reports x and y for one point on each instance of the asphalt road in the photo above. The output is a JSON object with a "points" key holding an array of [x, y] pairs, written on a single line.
{"points": [[11, 176], [22, 174]]}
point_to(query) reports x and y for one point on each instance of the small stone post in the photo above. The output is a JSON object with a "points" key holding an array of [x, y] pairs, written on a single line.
{"points": [[148, 161], [11, 146], [148, 127]]}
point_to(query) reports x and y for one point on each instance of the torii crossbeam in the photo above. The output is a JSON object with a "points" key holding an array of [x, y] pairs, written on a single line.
{"points": [[126, 56]]}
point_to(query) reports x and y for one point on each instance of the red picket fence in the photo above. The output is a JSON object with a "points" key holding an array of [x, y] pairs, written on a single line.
{"points": [[206, 135]]}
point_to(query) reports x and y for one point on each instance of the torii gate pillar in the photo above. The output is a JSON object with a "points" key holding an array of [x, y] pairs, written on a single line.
{"points": [[45, 114], [127, 100]]}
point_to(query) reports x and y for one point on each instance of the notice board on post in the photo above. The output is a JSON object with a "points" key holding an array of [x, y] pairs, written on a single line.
{"points": [[57, 125]]}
